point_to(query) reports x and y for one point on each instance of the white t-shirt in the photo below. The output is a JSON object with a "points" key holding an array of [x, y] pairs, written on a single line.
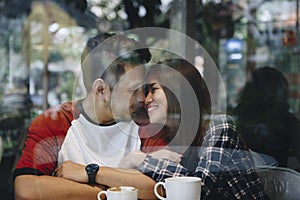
{"points": [[87, 143]]}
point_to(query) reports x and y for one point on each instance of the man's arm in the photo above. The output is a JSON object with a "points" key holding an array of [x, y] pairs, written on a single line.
{"points": [[32, 176], [109, 177], [49, 187], [128, 177]]}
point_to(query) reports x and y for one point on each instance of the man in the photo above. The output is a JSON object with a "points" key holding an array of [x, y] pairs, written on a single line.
{"points": [[72, 151]]}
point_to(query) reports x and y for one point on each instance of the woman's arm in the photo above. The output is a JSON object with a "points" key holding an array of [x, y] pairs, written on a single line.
{"points": [[159, 169]]}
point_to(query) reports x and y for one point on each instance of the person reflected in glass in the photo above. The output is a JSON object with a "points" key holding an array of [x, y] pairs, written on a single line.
{"points": [[264, 119]]}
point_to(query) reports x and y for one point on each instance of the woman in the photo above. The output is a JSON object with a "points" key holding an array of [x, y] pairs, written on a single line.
{"points": [[175, 96], [211, 147]]}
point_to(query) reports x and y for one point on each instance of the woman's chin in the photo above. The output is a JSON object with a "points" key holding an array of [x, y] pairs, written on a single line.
{"points": [[157, 119]]}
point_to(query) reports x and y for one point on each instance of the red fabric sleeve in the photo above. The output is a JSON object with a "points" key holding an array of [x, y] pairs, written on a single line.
{"points": [[44, 139]]}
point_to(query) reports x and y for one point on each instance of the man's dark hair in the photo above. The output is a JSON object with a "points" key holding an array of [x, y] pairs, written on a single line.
{"points": [[105, 55]]}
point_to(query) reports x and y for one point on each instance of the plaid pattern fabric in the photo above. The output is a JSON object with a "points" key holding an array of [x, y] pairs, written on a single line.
{"points": [[224, 164]]}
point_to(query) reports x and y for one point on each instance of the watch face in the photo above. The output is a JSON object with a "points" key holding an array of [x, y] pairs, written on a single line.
{"points": [[92, 168]]}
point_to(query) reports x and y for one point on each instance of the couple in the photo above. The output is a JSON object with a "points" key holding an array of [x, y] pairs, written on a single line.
{"points": [[79, 148]]}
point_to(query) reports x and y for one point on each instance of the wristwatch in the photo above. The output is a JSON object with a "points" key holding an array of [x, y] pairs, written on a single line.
{"points": [[91, 170]]}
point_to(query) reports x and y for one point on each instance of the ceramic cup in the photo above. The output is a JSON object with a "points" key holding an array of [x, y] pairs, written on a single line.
{"points": [[119, 193], [178, 188]]}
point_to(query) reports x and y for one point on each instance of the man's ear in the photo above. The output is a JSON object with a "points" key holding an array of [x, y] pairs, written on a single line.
{"points": [[99, 86]]}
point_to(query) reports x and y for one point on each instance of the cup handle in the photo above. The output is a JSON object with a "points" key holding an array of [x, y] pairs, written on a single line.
{"points": [[99, 194], [155, 190]]}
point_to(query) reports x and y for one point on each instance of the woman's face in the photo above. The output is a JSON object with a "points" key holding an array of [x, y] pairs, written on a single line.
{"points": [[156, 101]]}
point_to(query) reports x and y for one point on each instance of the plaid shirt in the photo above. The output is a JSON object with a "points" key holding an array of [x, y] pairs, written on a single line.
{"points": [[223, 162]]}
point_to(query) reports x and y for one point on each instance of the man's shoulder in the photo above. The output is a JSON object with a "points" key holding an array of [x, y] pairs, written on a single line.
{"points": [[65, 111]]}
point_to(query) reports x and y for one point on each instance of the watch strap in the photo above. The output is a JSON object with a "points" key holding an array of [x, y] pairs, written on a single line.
{"points": [[92, 179], [91, 170]]}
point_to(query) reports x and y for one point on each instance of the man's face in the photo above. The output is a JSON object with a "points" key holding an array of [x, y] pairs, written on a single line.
{"points": [[128, 92]]}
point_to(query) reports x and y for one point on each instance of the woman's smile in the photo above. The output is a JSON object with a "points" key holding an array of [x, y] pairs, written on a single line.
{"points": [[151, 107]]}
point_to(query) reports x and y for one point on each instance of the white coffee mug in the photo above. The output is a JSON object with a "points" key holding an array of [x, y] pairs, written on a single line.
{"points": [[178, 188], [120, 193]]}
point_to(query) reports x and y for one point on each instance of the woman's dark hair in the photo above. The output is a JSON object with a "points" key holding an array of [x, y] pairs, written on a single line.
{"points": [[199, 87]]}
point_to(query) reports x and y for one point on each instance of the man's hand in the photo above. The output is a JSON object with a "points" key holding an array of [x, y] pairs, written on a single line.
{"points": [[72, 171]]}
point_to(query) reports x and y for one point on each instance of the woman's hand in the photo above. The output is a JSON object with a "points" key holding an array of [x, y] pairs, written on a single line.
{"points": [[166, 154], [134, 159]]}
